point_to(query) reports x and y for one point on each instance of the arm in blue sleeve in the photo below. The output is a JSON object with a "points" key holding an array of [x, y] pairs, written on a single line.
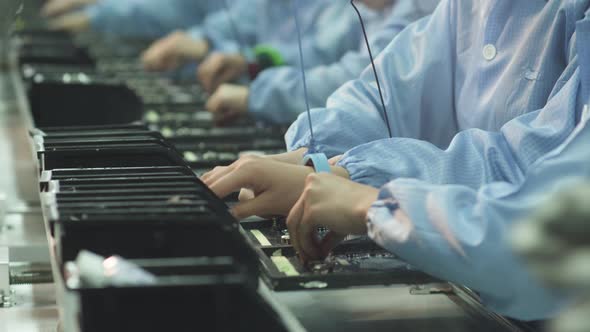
{"points": [[272, 92], [277, 95], [148, 18], [474, 157], [218, 28], [330, 30], [462, 235], [416, 85], [460, 232]]}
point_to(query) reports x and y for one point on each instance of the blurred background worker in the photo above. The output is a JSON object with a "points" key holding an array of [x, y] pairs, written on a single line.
{"points": [[129, 18], [556, 243], [259, 34], [276, 95]]}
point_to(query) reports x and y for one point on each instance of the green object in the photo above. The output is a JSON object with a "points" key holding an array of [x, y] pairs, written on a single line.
{"points": [[267, 56], [283, 265], [261, 238]]}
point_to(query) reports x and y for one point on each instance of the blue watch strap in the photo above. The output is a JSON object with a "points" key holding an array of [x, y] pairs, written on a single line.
{"points": [[318, 161]]}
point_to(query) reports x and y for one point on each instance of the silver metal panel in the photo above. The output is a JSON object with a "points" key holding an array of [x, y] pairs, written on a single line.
{"points": [[4, 273], [376, 309], [32, 307], [34, 311], [17, 159], [24, 233]]}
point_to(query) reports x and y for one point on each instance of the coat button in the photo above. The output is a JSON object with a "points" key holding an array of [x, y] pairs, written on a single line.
{"points": [[489, 52]]}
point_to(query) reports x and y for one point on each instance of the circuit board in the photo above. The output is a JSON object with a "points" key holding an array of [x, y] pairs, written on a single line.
{"points": [[271, 232], [357, 262], [345, 261]]}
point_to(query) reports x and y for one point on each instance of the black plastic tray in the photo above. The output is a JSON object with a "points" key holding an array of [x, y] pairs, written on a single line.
{"points": [[153, 155], [154, 235], [131, 172], [190, 294]]}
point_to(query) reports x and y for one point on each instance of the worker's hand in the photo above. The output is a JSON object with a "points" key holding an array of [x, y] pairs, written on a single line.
{"points": [[74, 22], [228, 103], [335, 160], [172, 51], [59, 7], [276, 186], [221, 68], [328, 201], [293, 157]]}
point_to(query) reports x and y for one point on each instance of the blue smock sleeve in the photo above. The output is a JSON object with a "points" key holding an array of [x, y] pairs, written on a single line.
{"points": [[218, 28], [475, 156], [147, 18], [356, 107], [462, 234], [271, 93]]}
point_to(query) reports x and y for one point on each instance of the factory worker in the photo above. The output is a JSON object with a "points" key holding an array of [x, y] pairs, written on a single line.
{"points": [[262, 32], [486, 102], [275, 94], [132, 18]]}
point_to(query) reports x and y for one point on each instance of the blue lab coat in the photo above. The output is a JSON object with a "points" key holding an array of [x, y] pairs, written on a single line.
{"points": [[149, 18], [485, 101], [277, 96], [328, 28]]}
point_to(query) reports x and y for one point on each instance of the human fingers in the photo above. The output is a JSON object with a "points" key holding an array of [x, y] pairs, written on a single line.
{"points": [[246, 195], [293, 220], [307, 234], [260, 205], [161, 54], [208, 70], [334, 160], [329, 242], [245, 174], [58, 7], [74, 22], [225, 113], [218, 172], [216, 105], [223, 75]]}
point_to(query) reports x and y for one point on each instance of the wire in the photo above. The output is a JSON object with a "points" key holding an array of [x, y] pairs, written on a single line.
{"points": [[305, 92], [374, 68]]}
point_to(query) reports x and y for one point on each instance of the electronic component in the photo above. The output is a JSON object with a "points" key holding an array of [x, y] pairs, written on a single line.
{"points": [[354, 263]]}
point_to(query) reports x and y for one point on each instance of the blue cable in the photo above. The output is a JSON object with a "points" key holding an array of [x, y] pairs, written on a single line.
{"points": [[305, 92]]}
